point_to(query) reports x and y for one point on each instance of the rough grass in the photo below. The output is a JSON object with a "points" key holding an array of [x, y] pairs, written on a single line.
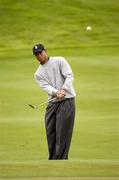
{"points": [[58, 23]]}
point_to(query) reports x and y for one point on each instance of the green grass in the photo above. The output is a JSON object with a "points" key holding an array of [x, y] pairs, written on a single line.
{"points": [[94, 149], [94, 58], [57, 21]]}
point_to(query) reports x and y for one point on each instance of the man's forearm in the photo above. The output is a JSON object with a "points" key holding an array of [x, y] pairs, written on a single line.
{"points": [[45, 86]]}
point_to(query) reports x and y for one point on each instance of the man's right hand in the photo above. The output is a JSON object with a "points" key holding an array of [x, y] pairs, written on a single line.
{"points": [[61, 94]]}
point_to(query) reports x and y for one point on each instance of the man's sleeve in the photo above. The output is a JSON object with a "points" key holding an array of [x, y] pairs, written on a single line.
{"points": [[45, 86], [67, 74]]}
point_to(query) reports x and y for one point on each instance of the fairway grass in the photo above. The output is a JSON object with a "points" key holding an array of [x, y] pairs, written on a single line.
{"points": [[64, 178], [94, 148], [94, 58], [71, 168]]}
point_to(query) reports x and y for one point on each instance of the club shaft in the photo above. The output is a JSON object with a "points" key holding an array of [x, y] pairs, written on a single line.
{"points": [[45, 102]]}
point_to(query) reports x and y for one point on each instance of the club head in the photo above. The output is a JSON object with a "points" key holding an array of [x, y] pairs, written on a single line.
{"points": [[32, 106]]}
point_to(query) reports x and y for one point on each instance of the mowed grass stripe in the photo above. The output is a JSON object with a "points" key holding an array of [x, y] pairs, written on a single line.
{"points": [[60, 169], [63, 178], [90, 161]]}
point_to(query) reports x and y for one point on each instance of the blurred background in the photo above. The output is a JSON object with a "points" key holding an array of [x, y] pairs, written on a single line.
{"points": [[93, 54]]}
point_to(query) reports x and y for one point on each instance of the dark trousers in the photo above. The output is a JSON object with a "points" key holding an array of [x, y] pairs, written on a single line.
{"points": [[59, 121]]}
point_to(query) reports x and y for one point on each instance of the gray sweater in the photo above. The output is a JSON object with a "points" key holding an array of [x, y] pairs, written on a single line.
{"points": [[55, 75]]}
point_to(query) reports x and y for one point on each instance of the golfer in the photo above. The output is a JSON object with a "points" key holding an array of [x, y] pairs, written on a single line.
{"points": [[55, 76]]}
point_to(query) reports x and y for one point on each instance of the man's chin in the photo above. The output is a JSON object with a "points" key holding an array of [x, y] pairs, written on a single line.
{"points": [[42, 62]]}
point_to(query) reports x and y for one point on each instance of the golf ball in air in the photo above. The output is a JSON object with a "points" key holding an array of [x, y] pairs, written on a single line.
{"points": [[88, 28]]}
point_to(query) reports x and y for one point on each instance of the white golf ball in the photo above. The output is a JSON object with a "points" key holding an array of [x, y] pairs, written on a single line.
{"points": [[88, 28]]}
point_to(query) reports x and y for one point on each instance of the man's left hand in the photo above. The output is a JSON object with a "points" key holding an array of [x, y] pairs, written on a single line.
{"points": [[61, 94]]}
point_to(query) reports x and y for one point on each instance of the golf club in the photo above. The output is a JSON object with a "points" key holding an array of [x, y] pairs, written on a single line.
{"points": [[37, 106]]}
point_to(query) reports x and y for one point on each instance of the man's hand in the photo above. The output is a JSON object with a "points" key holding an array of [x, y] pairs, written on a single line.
{"points": [[61, 94]]}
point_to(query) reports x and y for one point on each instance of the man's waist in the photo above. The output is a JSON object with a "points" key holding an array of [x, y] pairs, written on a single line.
{"points": [[54, 100]]}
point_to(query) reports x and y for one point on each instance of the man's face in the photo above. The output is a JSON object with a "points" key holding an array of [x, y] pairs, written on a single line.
{"points": [[41, 57]]}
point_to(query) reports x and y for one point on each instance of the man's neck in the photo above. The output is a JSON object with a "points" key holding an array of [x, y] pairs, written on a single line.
{"points": [[47, 59]]}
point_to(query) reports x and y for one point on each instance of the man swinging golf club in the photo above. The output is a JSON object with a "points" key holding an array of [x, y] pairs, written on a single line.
{"points": [[55, 76]]}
